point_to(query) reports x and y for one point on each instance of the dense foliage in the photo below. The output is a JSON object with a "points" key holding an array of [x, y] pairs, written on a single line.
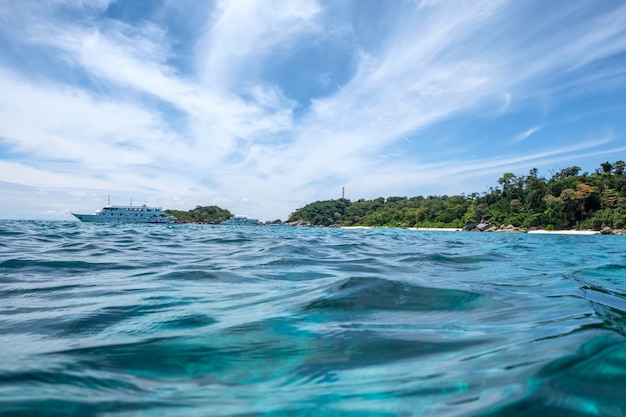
{"points": [[566, 200], [206, 215]]}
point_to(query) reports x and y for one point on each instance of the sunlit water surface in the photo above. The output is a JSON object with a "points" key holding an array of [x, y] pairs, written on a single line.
{"points": [[149, 320]]}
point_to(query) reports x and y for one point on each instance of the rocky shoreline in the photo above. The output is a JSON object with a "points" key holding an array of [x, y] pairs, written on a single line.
{"points": [[484, 226]]}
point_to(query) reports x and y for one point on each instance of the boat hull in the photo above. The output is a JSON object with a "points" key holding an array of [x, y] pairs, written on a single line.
{"points": [[127, 214], [94, 218], [240, 221]]}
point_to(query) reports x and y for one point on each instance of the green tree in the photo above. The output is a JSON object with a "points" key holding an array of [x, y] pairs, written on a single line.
{"points": [[566, 199], [607, 167], [200, 214]]}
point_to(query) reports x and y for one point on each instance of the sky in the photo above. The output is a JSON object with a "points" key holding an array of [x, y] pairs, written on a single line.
{"points": [[263, 106]]}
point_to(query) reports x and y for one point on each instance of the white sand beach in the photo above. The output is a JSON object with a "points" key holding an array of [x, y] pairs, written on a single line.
{"points": [[565, 232], [453, 229], [436, 229]]}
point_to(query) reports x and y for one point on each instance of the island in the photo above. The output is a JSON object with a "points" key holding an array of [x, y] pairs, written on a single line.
{"points": [[568, 200], [201, 215]]}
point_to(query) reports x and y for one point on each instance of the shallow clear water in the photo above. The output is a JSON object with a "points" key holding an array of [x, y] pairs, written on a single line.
{"points": [[151, 320]]}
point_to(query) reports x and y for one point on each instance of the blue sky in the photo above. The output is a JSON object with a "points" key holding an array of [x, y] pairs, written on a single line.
{"points": [[261, 107]]}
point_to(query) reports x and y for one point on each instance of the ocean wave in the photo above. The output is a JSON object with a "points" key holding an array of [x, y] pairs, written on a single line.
{"points": [[203, 320]]}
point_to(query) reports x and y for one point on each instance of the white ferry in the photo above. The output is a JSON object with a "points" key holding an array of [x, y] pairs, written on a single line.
{"points": [[127, 214], [241, 221]]}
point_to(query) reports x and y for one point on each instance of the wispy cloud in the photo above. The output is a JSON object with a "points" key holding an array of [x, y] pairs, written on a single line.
{"points": [[426, 91], [245, 34], [526, 134]]}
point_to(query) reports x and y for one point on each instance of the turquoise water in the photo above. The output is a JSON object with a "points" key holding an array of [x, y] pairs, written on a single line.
{"points": [[151, 320]]}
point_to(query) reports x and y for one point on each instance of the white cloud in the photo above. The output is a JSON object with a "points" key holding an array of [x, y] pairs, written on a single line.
{"points": [[116, 111], [66, 123], [526, 134], [245, 33]]}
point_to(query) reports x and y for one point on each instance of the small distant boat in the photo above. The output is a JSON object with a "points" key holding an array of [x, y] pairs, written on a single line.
{"points": [[127, 214], [241, 221]]}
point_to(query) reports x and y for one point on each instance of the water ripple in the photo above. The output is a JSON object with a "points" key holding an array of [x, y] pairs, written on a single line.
{"points": [[191, 320]]}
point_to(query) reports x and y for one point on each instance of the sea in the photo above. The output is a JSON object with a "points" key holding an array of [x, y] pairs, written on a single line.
{"points": [[199, 320]]}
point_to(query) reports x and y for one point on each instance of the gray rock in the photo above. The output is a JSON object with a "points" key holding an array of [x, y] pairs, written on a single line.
{"points": [[469, 225], [482, 226]]}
